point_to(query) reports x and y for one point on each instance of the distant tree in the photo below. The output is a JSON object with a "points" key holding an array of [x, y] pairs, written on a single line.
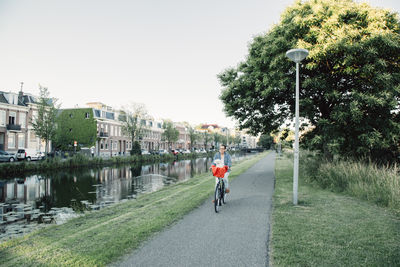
{"points": [[285, 134], [349, 82], [170, 133], [217, 139], [266, 141], [44, 125], [237, 140], [136, 149], [133, 118], [206, 138], [193, 136]]}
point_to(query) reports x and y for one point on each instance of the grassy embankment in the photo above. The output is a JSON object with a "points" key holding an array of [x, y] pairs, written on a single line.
{"points": [[101, 237], [333, 228]]}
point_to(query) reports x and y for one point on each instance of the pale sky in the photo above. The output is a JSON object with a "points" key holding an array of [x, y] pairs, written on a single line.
{"points": [[164, 54]]}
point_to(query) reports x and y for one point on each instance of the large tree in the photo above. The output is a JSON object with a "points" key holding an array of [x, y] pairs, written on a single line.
{"points": [[350, 81], [44, 125]]}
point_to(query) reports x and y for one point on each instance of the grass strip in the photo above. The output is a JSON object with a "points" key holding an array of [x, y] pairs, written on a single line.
{"points": [[329, 229], [101, 237]]}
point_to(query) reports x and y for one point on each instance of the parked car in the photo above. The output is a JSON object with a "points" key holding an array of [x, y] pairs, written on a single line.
{"points": [[162, 152], [186, 151], [145, 152], [5, 156], [28, 154], [41, 155]]}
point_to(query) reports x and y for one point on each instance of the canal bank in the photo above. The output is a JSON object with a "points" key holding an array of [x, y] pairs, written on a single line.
{"points": [[101, 237], [54, 197], [20, 168]]}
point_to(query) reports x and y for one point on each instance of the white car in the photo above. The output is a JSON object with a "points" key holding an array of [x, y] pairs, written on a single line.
{"points": [[162, 152], [145, 152], [28, 154]]}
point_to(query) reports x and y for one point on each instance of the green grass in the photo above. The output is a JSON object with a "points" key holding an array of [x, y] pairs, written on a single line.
{"points": [[377, 184], [329, 229], [101, 237]]}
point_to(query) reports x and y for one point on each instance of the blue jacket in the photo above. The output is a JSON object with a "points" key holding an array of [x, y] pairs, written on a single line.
{"points": [[227, 159]]}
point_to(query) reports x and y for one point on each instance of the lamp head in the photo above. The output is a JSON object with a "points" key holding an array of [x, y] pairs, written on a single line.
{"points": [[297, 54]]}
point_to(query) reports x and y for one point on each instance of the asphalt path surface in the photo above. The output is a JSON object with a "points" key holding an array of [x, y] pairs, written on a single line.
{"points": [[236, 236]]}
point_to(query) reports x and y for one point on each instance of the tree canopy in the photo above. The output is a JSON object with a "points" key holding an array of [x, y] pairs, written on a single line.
{"points": [[350, 82]]}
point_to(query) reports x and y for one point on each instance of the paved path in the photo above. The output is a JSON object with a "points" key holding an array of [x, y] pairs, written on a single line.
{"points": [[236, 236]]}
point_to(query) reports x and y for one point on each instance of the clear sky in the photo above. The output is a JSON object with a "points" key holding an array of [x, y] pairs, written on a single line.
{"points": [[164, 54]]}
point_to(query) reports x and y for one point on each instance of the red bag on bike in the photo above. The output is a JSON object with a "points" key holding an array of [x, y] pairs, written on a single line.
{"points": [[219, 172]]}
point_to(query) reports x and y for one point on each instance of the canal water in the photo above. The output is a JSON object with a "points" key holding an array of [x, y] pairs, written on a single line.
{"points": [[31, 202]]}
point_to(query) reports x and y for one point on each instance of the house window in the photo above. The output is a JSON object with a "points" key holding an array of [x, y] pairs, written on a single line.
{"points": [[21, 140], [97, 113], [22, 120], [11, 117], [101, 144], [32, 136], [11, 140], [3, 118]]}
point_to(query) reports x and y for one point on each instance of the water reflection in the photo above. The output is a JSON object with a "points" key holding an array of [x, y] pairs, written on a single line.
{"points": [[55, 197]]}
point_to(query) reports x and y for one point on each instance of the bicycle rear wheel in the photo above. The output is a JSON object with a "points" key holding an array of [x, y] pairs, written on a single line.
{"points": [[216, 199]]}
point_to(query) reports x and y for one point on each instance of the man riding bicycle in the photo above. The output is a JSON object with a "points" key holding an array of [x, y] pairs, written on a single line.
{"points": [[225, 158]]}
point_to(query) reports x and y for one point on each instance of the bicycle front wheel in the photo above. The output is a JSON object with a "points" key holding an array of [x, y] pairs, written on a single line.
{"points": [[216, 199], [223, 194]]}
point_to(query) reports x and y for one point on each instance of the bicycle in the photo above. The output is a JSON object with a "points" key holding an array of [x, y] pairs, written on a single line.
{"points": [[219, 195]]}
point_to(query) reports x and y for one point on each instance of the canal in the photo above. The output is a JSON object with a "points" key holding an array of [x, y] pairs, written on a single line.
{"points": [[31, 202]]}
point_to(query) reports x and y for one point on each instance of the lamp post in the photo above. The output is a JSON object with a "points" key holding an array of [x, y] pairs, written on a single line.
{"points": [[296, 55]]}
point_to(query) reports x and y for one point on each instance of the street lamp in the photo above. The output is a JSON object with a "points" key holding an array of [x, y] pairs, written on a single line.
{"points": [[296, 55]]}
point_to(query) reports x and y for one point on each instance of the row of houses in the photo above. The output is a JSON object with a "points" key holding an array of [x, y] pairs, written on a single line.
{"points": [[18, 111]]}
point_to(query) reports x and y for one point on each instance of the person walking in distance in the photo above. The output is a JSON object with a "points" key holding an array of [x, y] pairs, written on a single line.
{"points": [[225, 158]]}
